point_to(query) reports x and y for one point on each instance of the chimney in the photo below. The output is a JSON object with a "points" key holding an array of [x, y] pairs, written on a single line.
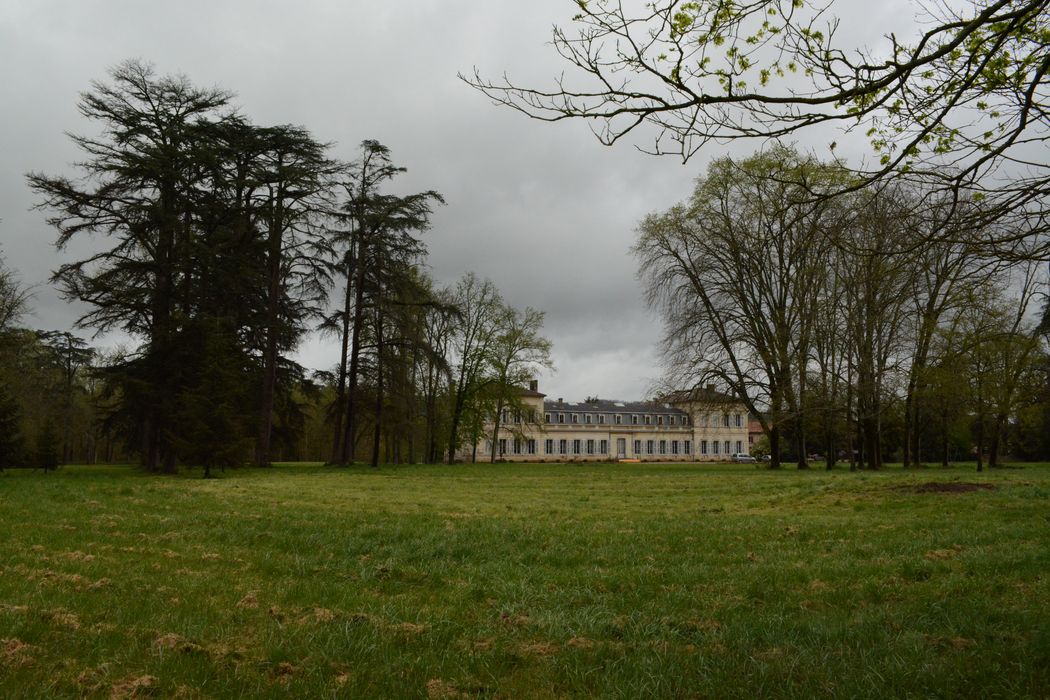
{"points": [[534, 385]]}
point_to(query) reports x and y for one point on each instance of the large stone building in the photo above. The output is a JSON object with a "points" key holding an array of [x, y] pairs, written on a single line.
{"points": [[699, 425]]}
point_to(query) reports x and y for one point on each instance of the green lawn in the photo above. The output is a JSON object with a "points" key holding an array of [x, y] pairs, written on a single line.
{"points": [[517, 581]]}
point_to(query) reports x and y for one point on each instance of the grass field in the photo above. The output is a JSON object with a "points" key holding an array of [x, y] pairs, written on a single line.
{"points": [[525, 581]]}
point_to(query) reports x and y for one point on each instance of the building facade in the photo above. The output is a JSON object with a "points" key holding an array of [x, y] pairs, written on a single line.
{"points": [[696, 426]]}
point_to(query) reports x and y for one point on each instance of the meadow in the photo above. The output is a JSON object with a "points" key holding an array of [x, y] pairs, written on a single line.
{"points": [[520, 581]]}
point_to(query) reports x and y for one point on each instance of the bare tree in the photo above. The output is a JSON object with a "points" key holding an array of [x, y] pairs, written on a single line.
{"points": [[479, 304], [14, 298], [736, 273], [519, 351]]}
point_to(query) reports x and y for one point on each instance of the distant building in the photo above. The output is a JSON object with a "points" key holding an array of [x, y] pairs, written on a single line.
{"points": [[754, 429], [686, 426]]}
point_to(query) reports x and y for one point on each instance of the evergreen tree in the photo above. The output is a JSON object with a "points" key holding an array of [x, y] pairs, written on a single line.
{"points": [[46, 454]]}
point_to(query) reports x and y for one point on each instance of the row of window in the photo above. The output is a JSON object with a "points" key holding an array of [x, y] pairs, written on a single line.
{"points": [[601, 447], [530, 416], [727, 419], [618, 419]]}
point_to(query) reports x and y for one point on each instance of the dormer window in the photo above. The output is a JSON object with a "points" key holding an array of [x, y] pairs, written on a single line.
{"points": [[546, 418], [587, 418], [618, 419], [575, 418], [659, 420], [601, 419], [634, 420], [648, 420], [561, 417]]}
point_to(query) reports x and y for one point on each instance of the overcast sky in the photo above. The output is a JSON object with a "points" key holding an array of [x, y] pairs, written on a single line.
{"points": [[543, 210]]}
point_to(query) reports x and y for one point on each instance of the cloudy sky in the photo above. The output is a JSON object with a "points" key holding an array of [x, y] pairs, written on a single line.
{"points": [[544, 210]]}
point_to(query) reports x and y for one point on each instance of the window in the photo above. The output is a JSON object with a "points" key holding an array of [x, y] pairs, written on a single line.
{"points": [[634, 420], [648, 447], [517, 416], [659, 420], [576, 447], [673, 420], [590, 447], [562, 445], [504, 417], [727, 446], [517, 446], [618, 419], [648, 420], [685, 420], [725, 420], [601, 419], [674, 447], [548, 447], [575, 417], [739, 419], [687, 449], [739, 446], [603, 447], [703, 447], [638, 447], [663, 447], [587, 419], [531, 447], [714, 447], [546, 418], [703, 420], [502, 447], [561, 417]]}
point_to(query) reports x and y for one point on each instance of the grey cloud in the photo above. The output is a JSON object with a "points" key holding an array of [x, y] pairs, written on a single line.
{"points": [[542, 209]]}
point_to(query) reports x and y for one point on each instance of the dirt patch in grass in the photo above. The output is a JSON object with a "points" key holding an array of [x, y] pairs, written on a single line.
{"points": [[15, 652], [249, 601], [176, 643], [946, 487], [438, 689], [539, 649], [141, 686]]}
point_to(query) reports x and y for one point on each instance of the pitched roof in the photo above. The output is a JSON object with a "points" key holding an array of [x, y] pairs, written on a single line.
{"points": [[699, 395], [609, 406]]}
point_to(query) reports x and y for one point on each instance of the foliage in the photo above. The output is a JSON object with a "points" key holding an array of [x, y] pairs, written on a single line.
{"points": [[45, 456], [207, 216], [10, 427]]}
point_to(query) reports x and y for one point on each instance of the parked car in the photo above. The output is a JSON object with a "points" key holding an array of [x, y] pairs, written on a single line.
{"points": [[741, 458]]}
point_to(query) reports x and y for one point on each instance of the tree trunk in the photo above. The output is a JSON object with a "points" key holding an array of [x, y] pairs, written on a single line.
{"points": [[377, 433], [273, 300], [347, 455], [340, 394], [980, 443]]}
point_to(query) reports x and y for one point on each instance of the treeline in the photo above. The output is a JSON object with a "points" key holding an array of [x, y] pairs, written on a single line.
{"points": [[868, 323], [220, 245]]}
